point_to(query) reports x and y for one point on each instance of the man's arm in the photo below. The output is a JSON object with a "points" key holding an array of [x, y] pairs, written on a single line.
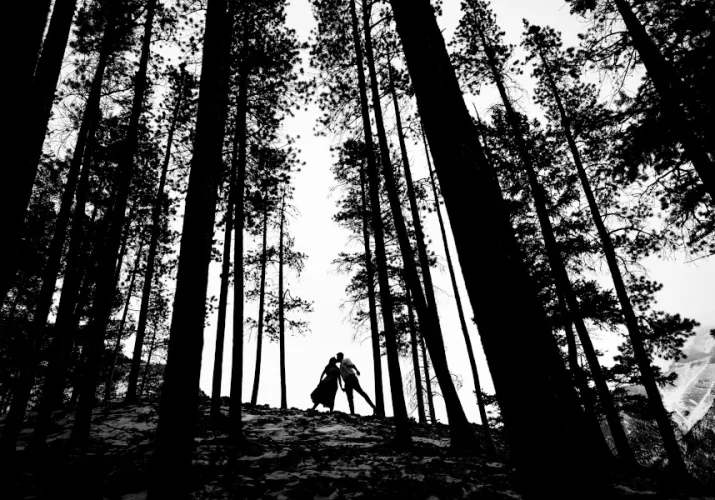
{"points": [[350, 364]]}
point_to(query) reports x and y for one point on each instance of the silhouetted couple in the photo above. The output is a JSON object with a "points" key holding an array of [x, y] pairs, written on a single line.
{"points": [[327, 388]]}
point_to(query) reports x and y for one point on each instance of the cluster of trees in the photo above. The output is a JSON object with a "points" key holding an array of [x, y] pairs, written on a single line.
{"points": [[108, 142], [106, 156], [536, 205], [95, 170]]}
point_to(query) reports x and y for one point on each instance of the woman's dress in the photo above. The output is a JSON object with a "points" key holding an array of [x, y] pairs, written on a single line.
{"points": [[324, 394]]}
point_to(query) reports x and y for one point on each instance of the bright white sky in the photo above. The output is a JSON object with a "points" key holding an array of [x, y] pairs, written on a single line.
{"points": [[689, 288]]}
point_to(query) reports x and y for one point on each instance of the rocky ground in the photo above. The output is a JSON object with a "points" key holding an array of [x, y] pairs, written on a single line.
{"points": [[294, 454]]}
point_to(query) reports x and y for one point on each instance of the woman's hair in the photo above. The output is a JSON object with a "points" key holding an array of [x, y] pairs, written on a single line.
{"points": [[332, 361]]}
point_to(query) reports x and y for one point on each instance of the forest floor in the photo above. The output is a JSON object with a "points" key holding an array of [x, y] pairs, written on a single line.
{"points": [[293, 454]]}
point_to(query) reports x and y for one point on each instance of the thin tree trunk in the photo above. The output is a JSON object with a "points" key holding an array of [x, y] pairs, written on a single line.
{"points": [[371, 298], [236, 405], [223, 293], [490, 446], [75, 362], [10, 329], [497, 280], [79, 302], [157, 211], [261, 306], [424, 261], [109, 384], [428, 381], [402, 426], [676, 103], [171, 468], [281, 307], [54, 257], [414, 209], [74, 296], [673, 451], [415, 360], [82, 155], [462, 434], [15, 196], [579, 377], [222, 304], [147, 367], [106, 282], [122, 249]]}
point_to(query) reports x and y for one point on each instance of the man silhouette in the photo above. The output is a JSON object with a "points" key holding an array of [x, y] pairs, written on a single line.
{"points": [[350, 373]]}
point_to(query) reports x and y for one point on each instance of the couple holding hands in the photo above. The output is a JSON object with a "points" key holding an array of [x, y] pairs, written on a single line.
{"points": [[347, 373]]}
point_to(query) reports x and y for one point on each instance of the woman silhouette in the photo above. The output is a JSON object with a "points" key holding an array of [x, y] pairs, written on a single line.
{"points": [[327, 387]]}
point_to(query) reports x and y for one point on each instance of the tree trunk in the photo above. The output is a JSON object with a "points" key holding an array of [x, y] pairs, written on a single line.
{"points": [[490, 446], [82, 154], [79, 358], [156, 213], [676, 103], [109, 384], [261, 306], [109, 246], [518, 347], [46, 76], [8, 460], [428, 382], [51, 270], [402, 425], [122, 248], [673, 451], [236, 405], [33, 17], [75, 293], [223, 294], [15, 196], [462, 434], [22, 62], [281, 306], [177, 414], [415, 360], [371, 299], [414, 209], [147, 367]]}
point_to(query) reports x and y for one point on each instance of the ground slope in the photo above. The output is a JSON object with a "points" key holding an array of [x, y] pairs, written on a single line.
{"points": [[290, 454]]}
